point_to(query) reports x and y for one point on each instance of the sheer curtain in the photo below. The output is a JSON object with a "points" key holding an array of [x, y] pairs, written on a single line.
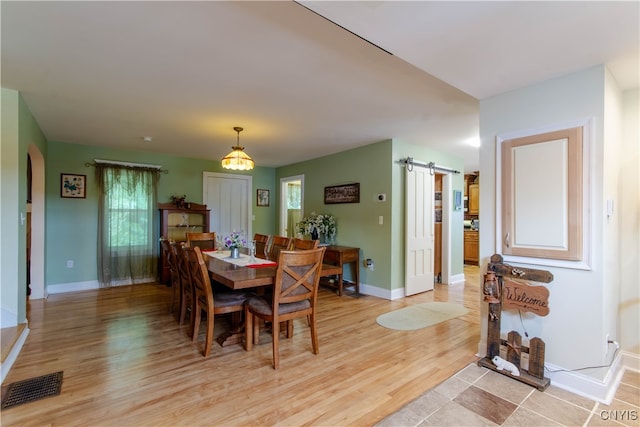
{"points": [[127, 229]]}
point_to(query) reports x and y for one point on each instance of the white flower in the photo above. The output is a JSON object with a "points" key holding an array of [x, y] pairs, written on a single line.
{"points": [[323, 224]]}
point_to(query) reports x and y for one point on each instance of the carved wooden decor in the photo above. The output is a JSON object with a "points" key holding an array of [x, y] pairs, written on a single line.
{"points": [[501, 269], [521, 296]]}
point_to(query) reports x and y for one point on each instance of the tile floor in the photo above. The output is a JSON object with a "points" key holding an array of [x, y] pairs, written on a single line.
{"points": [[477, 396]]}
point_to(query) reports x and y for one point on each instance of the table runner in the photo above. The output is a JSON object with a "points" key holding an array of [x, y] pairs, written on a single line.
{"points": [[243, 261]]}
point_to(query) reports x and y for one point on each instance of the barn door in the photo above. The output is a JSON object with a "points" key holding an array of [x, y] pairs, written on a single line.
{"points": [[419, 231]]}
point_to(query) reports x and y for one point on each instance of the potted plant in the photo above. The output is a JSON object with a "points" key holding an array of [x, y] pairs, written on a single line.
{"points": [[318, 226], [234, 241]]}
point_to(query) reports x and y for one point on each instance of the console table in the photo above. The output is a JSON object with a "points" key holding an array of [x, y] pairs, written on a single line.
{"points": [[339, 256]]}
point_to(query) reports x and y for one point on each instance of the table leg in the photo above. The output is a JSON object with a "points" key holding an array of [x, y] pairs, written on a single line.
{"points": [[236, 334], [358, 276]]}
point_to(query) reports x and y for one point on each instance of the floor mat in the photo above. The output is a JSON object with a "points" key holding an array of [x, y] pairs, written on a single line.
{"points": [[32, 389], [420, 315]]}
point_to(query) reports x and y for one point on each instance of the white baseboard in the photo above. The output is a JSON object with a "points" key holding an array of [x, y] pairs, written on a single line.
{"points": [[631, 361], [5, 366], [374, 291], [89, 285], [388, 294], [599, 390], [72, 287], [456, 278]]}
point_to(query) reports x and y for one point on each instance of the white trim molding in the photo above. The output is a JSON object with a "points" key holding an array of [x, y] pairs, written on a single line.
{"points": [[601, 391], [11, 358]]}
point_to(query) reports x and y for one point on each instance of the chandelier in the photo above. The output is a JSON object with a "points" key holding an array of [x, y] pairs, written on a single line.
{"points": [[238, 159]]}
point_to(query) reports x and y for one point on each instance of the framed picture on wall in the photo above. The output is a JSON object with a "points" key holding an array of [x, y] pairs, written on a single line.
{"points": [[346, 193], [73, 186], [262, 197]]}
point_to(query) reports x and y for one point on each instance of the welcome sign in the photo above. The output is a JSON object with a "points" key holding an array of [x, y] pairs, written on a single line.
{"points": [[521, 296]]}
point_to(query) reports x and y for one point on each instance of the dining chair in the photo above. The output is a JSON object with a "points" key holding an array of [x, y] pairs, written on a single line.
{"points": [[303, 244], [204, 300], [262, 244], [169, 256], [278, 243], [186, 287], [300, 245], [295, 292], [205, 241]]}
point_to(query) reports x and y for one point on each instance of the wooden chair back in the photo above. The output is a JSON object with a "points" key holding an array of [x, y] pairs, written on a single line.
{"points": [[303, 244], [203, 298], [205, 241], [186, 287], [262, 245], [169, 256], [295, 293], [278, 243]]}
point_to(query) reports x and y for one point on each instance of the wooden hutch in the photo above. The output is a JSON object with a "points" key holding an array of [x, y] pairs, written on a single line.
{"points": [[175, 222]]}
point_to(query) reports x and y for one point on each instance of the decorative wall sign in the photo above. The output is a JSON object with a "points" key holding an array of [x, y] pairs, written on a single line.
{"points": [[73, 186], [347, 193], [262, 197], [521, 296], [511, 294]]}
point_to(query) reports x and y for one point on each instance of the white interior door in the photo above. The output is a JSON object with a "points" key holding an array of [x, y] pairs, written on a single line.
{"points": [[419, 231], [228, 196]]}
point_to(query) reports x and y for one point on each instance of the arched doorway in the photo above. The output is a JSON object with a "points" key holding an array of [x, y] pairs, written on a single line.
{"points": [[36, 232]]}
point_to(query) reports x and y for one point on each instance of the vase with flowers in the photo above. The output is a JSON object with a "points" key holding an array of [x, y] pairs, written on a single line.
{"points": [[319, 226], [234, 241]]}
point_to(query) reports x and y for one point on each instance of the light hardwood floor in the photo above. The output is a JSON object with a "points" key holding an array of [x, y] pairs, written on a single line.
{"points": [[127, 362]]}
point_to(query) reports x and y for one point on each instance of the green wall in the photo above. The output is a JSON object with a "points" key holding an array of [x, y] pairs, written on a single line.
{"points": [[19, 130], [357, 222], [72, 223], [376, 168], [71, 227]]}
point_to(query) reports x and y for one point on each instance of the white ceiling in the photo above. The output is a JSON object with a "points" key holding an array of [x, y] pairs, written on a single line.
{"points": [[186, 73]]}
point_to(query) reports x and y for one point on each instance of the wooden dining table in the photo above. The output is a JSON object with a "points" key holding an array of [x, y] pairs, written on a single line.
{"points": [[238, 277]]}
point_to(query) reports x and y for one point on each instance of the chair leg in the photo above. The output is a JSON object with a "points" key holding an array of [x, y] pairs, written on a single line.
{"points": [[256, 330], [248, 329], [192, 320], [209, 340], [314, 335], [183, 310], [275, 339], [289, 328], [173, 297], [195, 322]]}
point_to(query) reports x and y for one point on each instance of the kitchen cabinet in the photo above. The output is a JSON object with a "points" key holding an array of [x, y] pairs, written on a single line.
{"points": [[471, 248], [474, 199]]}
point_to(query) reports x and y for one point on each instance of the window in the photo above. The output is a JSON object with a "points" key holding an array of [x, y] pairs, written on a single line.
{"points": [[127, 240], [128, 205]]}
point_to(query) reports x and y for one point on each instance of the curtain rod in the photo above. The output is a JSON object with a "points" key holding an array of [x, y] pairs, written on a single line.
{"points": [[409, 163], [129, 164]]}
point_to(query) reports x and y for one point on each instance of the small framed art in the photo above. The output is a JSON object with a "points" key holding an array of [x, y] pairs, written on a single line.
{"points": [[73, 186], [262, 197]]}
